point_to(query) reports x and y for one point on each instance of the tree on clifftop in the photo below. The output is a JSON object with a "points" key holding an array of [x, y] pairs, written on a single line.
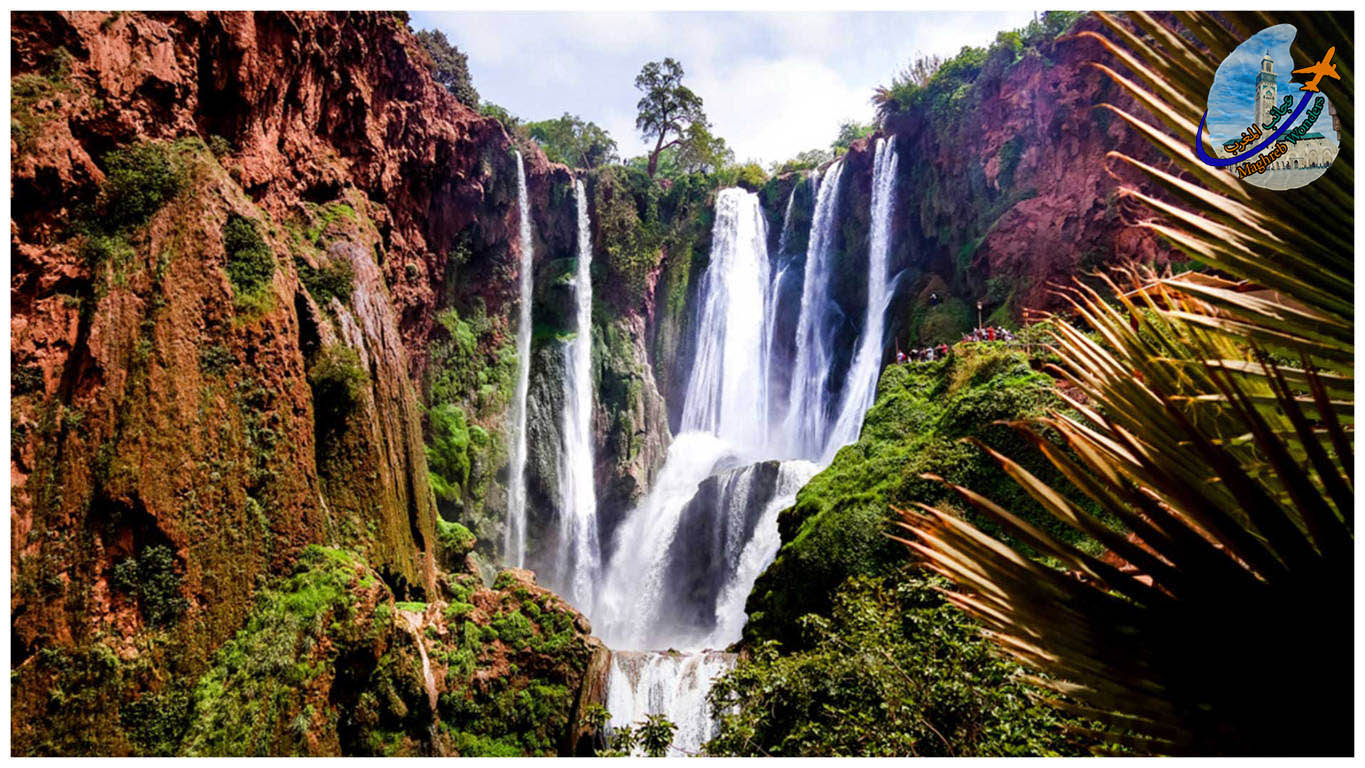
{"points": [[449, 67], [668, 107]]}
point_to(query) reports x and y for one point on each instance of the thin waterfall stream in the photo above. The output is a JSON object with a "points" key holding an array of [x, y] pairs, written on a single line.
{"points": [[514, 546]]}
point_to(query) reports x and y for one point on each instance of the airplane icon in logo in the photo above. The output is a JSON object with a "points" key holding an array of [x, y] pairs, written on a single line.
{"points": [[1319, 70]]}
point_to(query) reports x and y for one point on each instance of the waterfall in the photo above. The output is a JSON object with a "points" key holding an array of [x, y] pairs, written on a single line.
{"points": [[672, 684], [758, 551], [721, 397], [633, 596], [514, 545], [860, 389], [805, 422], [578, 567], [687, 556]]}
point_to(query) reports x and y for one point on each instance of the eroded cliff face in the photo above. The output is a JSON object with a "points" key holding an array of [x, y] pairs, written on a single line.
{"points": [[237, 240], [1002, 191]]}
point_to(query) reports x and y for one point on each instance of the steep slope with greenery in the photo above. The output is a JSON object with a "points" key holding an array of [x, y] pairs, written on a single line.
{"points": [[918, 425]]}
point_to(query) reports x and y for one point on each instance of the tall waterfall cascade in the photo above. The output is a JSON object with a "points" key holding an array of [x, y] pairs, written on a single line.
{"points": [[578, 566], [806, 423], [514, 545], [685, 559], [860, 387]]}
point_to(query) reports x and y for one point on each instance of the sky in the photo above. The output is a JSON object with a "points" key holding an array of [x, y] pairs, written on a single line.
{"points": [[1231, 99], [772, 84]]}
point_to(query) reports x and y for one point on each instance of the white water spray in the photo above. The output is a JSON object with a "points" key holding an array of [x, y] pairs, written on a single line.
{"points": [[514, 545]]}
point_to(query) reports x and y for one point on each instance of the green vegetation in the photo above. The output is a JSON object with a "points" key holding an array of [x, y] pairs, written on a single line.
{"points": [[1216, 447], [335, 279], [944, 86], [469, 382], [339, 382], [668, 108], [138, 180], [894, 670], [803, 161], [448, 452], [30, 91], [257, 689], [508, 714], [250, 262], [849, 132], [574, 142], [449, 66], [838, 525], [151, 579]]}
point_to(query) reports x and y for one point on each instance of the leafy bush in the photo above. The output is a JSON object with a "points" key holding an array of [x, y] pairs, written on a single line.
{"points": [[943, 85], [574, 142], [138, 180], [751, 176], [836, 528], [895, 670], [250, 262], [334, 279], [803, 161], [849, 132]]}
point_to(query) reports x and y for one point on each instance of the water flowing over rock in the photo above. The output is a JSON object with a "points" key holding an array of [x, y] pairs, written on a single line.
{"points": [[645, 683], [733, 326], [686, 558], [860, 388], [578, 565], [804, 424], [514, 549]]}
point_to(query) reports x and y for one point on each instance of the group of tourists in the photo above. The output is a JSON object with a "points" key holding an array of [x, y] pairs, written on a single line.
{"points": [[927, 354], [989, 333]]}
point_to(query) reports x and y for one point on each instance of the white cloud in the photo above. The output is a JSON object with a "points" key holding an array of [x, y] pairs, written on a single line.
{"points": [[771, 109], [773, 83]]}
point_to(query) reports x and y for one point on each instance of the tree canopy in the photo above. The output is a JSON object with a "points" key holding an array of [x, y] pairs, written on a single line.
{"points": [[573, 141], [449, 66], [668, 107]]}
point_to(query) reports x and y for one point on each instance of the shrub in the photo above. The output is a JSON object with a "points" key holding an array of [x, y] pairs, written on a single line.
{"points": [[895, 670], [250, 263], [334, 279], [138, 180], [449, 66]]}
